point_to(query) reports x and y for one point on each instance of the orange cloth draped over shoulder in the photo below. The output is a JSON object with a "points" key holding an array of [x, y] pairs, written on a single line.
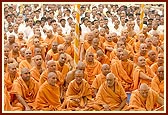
{"points": [[106, 95], [108, 44], [35, 73], [76, 91], [138, 103], [27, 93], [100, 79], [7, 105], [157, 85], [63, 70], [9, 81], [105, 60], [136, 76], [92, 70], [48, 98], [154, 67], [24, 63], [123, 71]]}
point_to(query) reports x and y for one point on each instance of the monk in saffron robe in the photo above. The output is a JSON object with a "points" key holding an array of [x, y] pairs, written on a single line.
{"points": [[49, 39], [102, 58], [108, 45], [24, 91], [62, 67], [10, 76], [160, 62], [78, 93], [37, 70], [92, 67], [140, 39], [14, 53], [27, 62], [51, 54], [48, 96], [68, 46], [111, 95], [100, 78], [123, 70], [157, 83], [115, 54], [144, 99], [51, 67], [142, 73], [37, 44], [94, 47], [151, 58], [142, 52]]}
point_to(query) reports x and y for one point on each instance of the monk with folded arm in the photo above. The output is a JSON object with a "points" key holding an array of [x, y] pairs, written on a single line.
{"points": [[48, 96], [111, 95], [78, 93]]}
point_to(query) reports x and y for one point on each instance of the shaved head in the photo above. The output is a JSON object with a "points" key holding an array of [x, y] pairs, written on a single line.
{"points": [[143, 89]]}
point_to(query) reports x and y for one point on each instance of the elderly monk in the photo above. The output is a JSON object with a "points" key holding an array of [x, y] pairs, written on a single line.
{"points": [[48, 96], [51, 67], [123, 70], [111, 95], [37, 70], [92, 67], [51, 54], [157, 83], [142, 52], [142, 73], [100, 78], [160, 62], [144, 99], [25, 90], [27, 62], [102, 58], [151, 58], [78, 93], [10, 76]]}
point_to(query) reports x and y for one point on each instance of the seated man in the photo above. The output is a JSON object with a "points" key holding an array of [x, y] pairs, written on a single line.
{"points": [[157, 83], [142, 73], [25, 90], [78, 93], [48, 96], [123, 70], [111, 95], [100, 78], [144, 99]]}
